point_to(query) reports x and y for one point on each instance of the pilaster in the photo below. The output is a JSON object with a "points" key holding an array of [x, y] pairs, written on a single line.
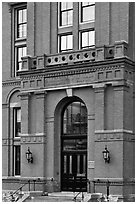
{"points": [[25, 112], [119, 107], [5, 140], [31, 28], [75, 25], [40, 111], [99, 106]]}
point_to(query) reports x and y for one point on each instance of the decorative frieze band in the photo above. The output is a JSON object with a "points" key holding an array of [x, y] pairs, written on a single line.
{"points": [[7, 141], [78, 77], [26, 138], [33, 138], [123, 135], [11, 83]]}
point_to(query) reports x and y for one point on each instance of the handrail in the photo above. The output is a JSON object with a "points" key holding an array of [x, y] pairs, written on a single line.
{"points": [[75, 197], [15, 192], [18, 189]]}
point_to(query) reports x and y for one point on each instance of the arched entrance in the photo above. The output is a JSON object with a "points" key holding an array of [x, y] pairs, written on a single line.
{"points": [[74, 147]]}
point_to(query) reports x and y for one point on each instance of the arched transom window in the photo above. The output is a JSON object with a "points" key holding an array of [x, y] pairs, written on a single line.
{"points": [[75, 119]]}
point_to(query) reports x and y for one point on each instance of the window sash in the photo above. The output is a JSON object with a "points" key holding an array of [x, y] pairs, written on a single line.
{"points": [[17, 158], [17, 121], [22, 23], [21, 52], [65, 6], [66, 42], [66, 13], [87, 11], [87, 39], [19, 38]]}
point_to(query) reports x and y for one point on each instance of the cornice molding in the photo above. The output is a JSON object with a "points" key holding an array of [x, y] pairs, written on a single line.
{"points": [[66, 72], [11, 83]]}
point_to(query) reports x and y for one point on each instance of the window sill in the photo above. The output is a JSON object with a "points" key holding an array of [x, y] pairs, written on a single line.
{"points": [[87, 25], [21, 39], [65, 29]]}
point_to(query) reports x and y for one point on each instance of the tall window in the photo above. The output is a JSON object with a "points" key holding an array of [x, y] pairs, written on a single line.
{"points": [[66, 42], [87, 39], [17, 157], [87, 11], [17, 122], [20, 36], [21, 23], [66, 13]]}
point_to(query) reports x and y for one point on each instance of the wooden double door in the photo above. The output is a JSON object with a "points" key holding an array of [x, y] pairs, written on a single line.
{"points": [[74, 167]]}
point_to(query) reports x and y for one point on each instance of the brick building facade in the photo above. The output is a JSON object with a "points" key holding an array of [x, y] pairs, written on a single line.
{"points": [[68, 93]]}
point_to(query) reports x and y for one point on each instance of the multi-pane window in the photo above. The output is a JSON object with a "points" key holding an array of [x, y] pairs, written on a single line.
{"points": [[87, 39], [66, 42], [66, 13], [87, 11], [20, 36], [17, 157], [22, 23], [17, 122], [21, 52]]}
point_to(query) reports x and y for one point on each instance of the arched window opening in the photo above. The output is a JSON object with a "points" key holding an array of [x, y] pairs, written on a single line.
{"points": [[75, 119]]}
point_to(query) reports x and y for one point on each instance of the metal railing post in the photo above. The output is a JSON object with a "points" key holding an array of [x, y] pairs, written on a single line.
{"points": [[93, 186], [34, 184], [107, 184], [82, 196], [29, 184]]}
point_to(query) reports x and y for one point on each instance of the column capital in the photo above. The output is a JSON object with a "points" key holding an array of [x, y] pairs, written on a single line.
{"points": [[99, 87], [24, 95], [40, 94]]}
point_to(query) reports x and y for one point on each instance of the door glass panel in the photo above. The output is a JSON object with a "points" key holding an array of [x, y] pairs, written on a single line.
{"points": [[84, 164], [70, 164], [78, 164], [65, 164]]}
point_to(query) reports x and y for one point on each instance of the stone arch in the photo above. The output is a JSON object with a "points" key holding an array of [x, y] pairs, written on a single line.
{"points": [[12, 94]]}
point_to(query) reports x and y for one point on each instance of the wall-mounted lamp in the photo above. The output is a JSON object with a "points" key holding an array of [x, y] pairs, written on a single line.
{"points": [[106, 155], [29, 156]]}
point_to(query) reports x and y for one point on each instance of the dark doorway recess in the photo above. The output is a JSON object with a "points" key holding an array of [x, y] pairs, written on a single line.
{"points": [[74, 148]]}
